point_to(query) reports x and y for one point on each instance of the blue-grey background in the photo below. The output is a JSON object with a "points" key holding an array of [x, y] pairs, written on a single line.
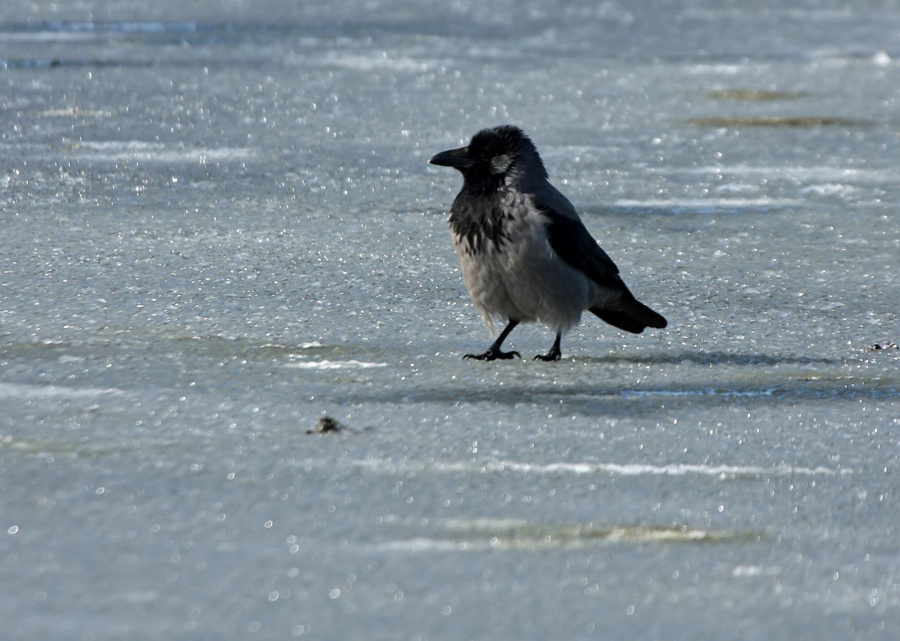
{"points": [[218, 225]]}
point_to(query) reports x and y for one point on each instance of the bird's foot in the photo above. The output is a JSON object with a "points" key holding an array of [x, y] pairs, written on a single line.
{"points": [[493, 354], [553, 355], [555, 352]]}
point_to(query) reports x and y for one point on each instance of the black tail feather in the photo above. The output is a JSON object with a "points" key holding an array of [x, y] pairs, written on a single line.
{"points": [[630, 315]]}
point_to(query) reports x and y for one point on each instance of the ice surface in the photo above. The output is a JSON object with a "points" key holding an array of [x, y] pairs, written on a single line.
{"points": [[220, 226]]}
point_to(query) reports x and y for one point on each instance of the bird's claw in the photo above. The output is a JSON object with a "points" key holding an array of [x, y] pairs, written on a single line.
{"points": [[550, 356]]}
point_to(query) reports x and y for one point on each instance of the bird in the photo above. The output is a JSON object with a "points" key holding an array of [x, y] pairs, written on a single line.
{"points": [[524, 252]]}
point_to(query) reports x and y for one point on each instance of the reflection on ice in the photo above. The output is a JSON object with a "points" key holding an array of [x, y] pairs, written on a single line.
{"points": [[708, 204], [327, 364], [619, 469], [826, 173], [22, 392], [119, 151]]}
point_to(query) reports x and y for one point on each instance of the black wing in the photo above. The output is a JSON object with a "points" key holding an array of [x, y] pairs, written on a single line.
{"points": [[573, 242]]}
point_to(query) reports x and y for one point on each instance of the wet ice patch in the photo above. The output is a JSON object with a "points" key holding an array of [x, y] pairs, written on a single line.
{"points": [[31, 392], [827, 189], [478, 535], [726, 122], [707, 204], [720, 69], [821, 173], [754, 571], [754, 95], [131, 150], [77, 112], [374, 62], [673, 469], [422, 544], [736, 188], [327, 364], [721, 471], [618, 469], [44, 36], [698, 392]]}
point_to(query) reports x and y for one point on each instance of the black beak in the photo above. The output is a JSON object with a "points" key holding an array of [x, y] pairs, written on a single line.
{"points": [[456, 158]]}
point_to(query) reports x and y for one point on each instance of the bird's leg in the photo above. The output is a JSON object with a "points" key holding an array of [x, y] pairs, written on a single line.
{"points": [[554, 354], [494, 352]]}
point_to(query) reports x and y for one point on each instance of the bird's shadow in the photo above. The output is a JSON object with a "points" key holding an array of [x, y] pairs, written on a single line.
{"points": [[605, 210], [710, 359]]}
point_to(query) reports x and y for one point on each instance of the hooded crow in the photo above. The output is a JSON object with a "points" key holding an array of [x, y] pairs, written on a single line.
{"points": [[524, 252]]}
